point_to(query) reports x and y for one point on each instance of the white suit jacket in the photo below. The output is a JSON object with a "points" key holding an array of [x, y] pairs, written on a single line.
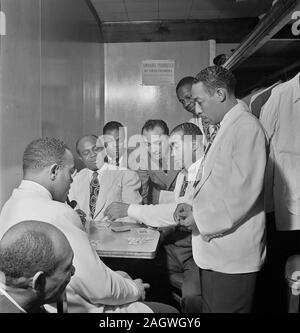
{"points": [[280, 117], [94, 287], [228, 202], [116, 184]]}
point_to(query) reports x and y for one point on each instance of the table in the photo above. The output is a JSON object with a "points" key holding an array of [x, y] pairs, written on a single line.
{"points": [[139, 242]]}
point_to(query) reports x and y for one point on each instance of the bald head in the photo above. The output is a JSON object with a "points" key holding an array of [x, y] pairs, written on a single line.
{"points": [[87, 150], [29, 247]]}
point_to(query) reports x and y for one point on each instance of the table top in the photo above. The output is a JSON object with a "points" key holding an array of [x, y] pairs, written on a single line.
{"points": [[137, 242]]}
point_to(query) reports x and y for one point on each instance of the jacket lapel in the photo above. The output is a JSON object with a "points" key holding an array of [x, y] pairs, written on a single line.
{"points": [[210, 158]]}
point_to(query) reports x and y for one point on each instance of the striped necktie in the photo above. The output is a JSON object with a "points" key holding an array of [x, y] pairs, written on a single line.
{"points": [[94, 191]]}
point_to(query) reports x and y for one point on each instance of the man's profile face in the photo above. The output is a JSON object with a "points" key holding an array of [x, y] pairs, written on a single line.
{"points": [[88, 151], [157, 142], [114, 142], [207, 106], [64, 177], [184, 95]]}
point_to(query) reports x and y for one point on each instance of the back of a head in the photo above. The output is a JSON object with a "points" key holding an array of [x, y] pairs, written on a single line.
{"points": [[152, 123], [42, 153], [29, 247], [214, 77]]}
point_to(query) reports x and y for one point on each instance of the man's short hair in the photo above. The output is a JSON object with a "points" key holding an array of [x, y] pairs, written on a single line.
{"points": [[214, 77], [111, 126], [33, 251], [44, 152], [188, 129], [85, 136], [152, 123], [188, 80]]}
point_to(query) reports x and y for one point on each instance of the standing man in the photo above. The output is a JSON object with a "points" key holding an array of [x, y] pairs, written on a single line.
{"points": [[36, 266], [227, 215], [184, 95]]}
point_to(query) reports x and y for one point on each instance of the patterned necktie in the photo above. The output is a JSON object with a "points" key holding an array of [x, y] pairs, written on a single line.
{"points": [[183, 187], [94, 191], [213, 132]]}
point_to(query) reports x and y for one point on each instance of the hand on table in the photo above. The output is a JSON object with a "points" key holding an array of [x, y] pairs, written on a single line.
{"points": [[116, 210]]}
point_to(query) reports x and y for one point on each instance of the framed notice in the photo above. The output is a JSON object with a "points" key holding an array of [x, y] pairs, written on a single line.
{"points": [[158, 72]]}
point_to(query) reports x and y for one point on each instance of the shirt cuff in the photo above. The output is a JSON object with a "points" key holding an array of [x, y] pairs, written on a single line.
{"points": [[134, 211]]}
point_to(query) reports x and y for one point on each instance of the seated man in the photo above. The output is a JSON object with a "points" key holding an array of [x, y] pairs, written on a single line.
{"points": [[156, 171], [48, 167], [95, 187], [36, 265], [186, 141]]}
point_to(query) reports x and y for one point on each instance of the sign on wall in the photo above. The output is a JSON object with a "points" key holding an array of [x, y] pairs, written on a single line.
{"points": [[158, 72]]}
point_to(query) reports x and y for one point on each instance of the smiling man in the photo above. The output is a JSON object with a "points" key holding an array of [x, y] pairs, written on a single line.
{"points": [[100, 183]]}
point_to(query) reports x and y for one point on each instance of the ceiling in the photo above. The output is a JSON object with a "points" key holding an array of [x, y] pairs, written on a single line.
{"points": [[226, 21], [265, 25], [153, 10]]}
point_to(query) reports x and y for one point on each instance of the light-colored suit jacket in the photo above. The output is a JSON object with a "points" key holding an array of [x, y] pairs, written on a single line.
{"points": [[94, 287], [228, 202], [115, 185]]}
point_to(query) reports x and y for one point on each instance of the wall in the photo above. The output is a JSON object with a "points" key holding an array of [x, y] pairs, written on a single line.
{"points": [[127, 101], [20, 102], [72, 71], [51, 76]]}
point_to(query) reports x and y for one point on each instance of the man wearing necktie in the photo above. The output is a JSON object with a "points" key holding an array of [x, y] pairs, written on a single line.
{"points": [[227, 215], [100, 182], [94, 191]]}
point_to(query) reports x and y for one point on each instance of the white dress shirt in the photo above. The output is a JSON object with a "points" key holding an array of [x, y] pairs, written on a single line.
{"points": [[280, 117], [94, 287]]}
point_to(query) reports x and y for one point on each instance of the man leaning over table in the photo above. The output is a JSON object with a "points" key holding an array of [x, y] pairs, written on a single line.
{"points": [[186, 143]]}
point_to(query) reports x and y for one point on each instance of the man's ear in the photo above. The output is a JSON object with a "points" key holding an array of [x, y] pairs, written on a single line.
{"points": [[38, 282], [53, 171], [220, 94]]}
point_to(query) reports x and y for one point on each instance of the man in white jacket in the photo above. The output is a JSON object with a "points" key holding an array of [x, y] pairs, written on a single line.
{"points": [[48, 167]]}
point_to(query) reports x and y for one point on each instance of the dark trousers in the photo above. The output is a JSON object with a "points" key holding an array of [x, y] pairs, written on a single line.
{"points": [[227, 293]]}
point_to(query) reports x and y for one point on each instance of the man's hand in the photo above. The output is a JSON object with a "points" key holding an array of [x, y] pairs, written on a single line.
{"points": [[183, 216], [142, 288], [116, 210]]}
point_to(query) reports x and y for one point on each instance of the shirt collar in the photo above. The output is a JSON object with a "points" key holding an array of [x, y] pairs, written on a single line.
{"points": [[31, 185], [230, 114], [193, 169]]}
